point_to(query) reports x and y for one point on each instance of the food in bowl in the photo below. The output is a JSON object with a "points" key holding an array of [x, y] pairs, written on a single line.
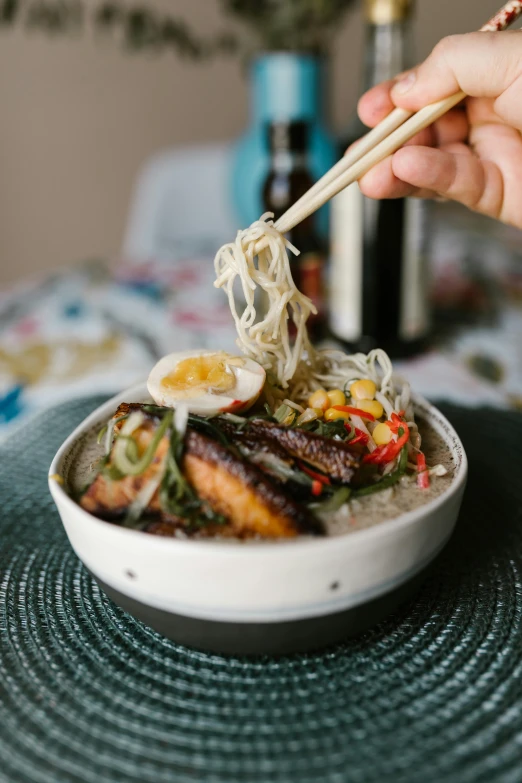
{"points": [[257, 477], [287, 470], [281, 442]]}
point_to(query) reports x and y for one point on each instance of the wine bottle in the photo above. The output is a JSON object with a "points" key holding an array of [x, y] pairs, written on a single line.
{"points": [[288, 179], [378, 290]]}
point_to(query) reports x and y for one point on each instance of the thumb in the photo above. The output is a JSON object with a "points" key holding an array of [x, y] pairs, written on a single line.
{"points": [[483, 65]]}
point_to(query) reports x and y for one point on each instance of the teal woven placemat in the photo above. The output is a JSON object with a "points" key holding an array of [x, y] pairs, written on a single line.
{"points": [[433, 694]]}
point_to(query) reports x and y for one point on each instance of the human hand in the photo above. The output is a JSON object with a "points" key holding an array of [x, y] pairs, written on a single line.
{"points": [[473, 154]]}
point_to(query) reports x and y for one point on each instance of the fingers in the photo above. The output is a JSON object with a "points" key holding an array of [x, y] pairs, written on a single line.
{"points": [[381, 183], [481, 64], [376, 104], [451, 127], [454, 173]]}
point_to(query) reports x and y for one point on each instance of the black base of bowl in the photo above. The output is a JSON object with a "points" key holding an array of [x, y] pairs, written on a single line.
{"points": [[282, 638]]}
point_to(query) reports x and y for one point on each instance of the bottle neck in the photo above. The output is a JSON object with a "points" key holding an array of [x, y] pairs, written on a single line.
{"points": [[285, 87], [388, 51], [285, 161]]}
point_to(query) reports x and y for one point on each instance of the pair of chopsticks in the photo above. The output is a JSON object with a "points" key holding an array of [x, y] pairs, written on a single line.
{"points": [[390, 134]]}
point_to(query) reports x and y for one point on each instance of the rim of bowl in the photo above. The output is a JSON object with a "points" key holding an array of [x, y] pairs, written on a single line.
{"points": [[379, 529]]}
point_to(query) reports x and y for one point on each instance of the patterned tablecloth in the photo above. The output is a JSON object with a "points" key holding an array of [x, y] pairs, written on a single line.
{"points": [[99, 327]]}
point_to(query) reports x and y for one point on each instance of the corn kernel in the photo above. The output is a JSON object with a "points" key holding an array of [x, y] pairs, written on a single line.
{"points": [[336, 397], [363, 390], [331, 414], [319, 412], [319, 399], [371, 406], [382, 434]]}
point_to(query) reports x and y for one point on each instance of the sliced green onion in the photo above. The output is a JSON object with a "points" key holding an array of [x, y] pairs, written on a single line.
{"points": [[143, 498], [109, 432], [334, 503], [131, 452], [120, 458], [386, 481], [279, 467], [306, 416], [111, 472], [283, 413], [181, 414], [233, 418]]}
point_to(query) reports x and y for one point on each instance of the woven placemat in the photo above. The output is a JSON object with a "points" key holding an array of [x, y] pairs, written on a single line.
{"points": [[433, 694]]}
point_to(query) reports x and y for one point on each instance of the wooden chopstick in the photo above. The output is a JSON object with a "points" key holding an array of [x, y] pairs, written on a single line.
{"points": [[364, 145], [388, 146], [387, 137]]}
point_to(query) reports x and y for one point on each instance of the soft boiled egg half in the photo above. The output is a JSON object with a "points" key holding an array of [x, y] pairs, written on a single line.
{"points": [[207, 382]]}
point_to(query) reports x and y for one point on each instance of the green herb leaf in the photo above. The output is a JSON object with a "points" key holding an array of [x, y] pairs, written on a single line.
{"points": [[386, 481], [334, 502]]}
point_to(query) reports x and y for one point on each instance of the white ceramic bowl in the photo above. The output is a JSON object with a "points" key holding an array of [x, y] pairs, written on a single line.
{"points": [[273, 597]]}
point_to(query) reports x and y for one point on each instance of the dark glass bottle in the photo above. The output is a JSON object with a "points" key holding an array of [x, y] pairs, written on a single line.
{"points": [[287, 180], [378, 291]]}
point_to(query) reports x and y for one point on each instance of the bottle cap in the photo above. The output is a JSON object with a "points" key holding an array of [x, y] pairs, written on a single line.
{"points": [[288, 136], [387, 11]]}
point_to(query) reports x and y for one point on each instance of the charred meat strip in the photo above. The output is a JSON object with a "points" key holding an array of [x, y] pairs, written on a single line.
{"points": [[252, 504], [333, 457], [255, 448], [239, 490]]}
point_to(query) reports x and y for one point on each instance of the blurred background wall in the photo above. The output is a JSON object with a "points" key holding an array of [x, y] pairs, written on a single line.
{"points": [[78, 118]]}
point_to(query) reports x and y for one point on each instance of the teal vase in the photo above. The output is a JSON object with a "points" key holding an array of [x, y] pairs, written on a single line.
{"points": [[283, 87]]}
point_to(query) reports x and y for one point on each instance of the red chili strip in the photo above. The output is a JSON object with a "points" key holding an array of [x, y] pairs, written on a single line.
{"points": [[396, 422], [354, 412], [360, 437], [383, 454], [423, 478], [317, 488], [320, 477]]}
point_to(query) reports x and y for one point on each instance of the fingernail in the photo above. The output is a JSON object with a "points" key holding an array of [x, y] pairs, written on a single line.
{"points": [[405, 83]]}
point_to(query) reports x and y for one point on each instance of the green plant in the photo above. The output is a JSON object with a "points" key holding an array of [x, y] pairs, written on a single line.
{"points": [[296, 25]]}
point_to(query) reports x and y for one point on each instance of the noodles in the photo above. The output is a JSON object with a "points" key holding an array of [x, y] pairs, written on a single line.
{"points": [[267, 340], [296, 369]]}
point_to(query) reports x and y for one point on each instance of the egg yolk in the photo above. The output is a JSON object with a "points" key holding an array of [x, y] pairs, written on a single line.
{"points": [[201, 373]]}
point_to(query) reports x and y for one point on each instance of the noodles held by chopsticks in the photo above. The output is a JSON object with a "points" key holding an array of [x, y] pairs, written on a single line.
{"points": [[266, 340], [295, 367]]}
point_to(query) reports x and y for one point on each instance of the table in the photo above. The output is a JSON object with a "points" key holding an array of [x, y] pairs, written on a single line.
{"points": [[89, 694]]}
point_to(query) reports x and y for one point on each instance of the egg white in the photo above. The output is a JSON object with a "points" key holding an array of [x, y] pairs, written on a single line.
{"points": [[250, 379]]}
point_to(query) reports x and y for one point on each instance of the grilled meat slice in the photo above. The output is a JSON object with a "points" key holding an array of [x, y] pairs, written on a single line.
{"points": [[333, 457], [110, 498], [125, 408], [254, 448], [231, 486], [239, 490], [252, 441]]}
